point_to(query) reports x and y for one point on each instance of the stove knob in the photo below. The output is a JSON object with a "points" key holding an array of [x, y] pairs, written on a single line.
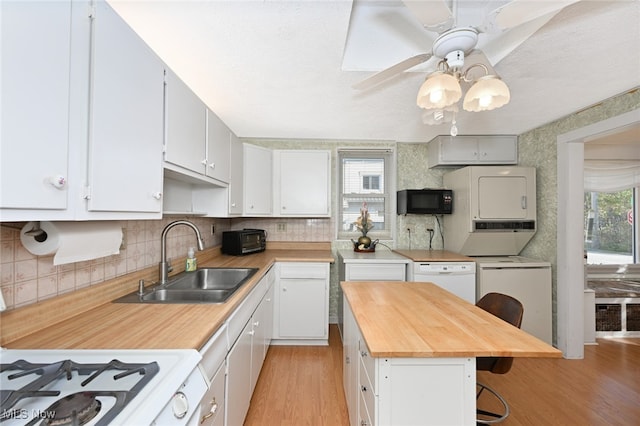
{"points": [[180, 405]]}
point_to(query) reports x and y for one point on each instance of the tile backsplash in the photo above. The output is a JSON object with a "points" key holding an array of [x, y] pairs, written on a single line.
{"points": [[26, 278]]}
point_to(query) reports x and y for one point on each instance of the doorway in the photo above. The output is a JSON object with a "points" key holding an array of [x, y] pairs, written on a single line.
{"points": [[570, 238]]}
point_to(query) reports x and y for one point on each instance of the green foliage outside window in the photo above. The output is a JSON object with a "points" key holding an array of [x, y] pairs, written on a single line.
{"points": [[606, 225]]}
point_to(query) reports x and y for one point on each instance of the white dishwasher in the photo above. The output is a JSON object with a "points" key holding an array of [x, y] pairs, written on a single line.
{"points": [[458, 278]]}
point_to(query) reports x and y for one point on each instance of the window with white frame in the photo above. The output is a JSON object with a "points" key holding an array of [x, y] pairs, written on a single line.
{"points": [[365, 179]]}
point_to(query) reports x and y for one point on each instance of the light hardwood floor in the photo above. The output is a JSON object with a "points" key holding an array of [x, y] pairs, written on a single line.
{"points": [[303, 386]]}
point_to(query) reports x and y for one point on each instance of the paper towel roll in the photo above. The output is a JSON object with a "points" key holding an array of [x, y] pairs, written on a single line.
{"points": [[73, 241]]}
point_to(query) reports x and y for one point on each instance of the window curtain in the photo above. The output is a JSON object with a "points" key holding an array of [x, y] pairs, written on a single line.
{"points": [[610, 175]]}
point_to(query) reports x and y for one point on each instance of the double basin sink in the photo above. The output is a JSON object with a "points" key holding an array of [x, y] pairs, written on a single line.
{"points": [[205, 285]]}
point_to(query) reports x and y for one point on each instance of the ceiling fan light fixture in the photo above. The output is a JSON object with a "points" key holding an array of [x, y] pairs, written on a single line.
{"points": [[438, 116], [439, 90], [487, 93]]}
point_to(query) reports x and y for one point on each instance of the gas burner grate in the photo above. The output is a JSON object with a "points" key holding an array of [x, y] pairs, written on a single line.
{"points": [[45, 375]]}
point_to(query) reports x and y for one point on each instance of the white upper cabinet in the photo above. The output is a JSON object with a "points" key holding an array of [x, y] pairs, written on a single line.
{"points": [[186, 126], [236, 172], [257, 181], [126, 133], [82, 115], [218, 148], [303, 182], [36, 55], [469, 150], [197, 141]]}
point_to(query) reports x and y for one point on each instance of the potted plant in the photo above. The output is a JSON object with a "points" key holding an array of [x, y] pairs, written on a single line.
{"points": [[364, 224]]}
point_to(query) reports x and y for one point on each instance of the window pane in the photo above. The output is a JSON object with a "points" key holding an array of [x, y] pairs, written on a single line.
{"points": [[362, 175], [363, 180], [609, 227]]}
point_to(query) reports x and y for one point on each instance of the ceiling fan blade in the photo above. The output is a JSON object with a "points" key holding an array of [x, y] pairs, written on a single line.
{"points": [[434, 15], [499, 47], [520, 11], [381, 76]]}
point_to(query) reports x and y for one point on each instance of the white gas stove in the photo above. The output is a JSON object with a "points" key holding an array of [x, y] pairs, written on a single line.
{"points": [[100, 387]]}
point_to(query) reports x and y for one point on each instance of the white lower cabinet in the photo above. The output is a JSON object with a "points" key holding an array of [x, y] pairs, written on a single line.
{"points": [[404, 391], [301, 311], [213, 367], [239, 378], [212, 407], [247, 348]]}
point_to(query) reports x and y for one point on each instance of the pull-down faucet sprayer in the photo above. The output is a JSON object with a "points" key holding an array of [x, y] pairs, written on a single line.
{"points": [[165, 268]]}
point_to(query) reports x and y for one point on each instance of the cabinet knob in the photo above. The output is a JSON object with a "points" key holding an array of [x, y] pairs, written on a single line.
{"points": [[363, 388], [233, 204], [364, 423], [205, 162], [256, 324], [157, 195], [212, 165], [58, 181], [251, 333], [284, 289], [364, 353]]}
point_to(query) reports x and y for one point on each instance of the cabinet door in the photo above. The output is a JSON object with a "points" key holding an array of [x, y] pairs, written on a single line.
{"points": [[126, 133], [498, 149], [236, 193], [239, 378], [257, 182], [304, 182], [212, 408], [302, 310], [218, 155], [351, 363], [458, 149], [36, 53], [186, 126]]}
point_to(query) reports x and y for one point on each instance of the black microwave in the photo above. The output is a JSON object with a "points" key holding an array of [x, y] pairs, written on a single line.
{"points": [[244, 241], [425, 201]]}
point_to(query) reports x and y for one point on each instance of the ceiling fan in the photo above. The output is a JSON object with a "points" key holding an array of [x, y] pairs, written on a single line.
{"points": [[454, 45]]}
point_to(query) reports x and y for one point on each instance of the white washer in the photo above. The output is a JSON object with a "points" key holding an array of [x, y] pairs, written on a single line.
{"points": [[458, 278], [529, 281]]}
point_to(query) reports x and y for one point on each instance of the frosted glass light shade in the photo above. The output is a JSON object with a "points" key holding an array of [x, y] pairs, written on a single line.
{"points": [[487, 93], [439, 91]]}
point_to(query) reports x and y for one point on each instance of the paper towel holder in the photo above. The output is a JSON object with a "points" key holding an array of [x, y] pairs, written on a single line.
{"points": [[37, 233]]}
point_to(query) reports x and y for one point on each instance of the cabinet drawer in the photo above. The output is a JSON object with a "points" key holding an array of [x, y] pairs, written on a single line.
{"points": [[367, 399], [214, 352], [212, 407], [241, 315], [368, 365], [376, 272], [304, 270]]}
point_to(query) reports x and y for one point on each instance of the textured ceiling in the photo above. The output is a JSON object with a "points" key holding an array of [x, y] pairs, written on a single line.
{"points": [[274, 69]]}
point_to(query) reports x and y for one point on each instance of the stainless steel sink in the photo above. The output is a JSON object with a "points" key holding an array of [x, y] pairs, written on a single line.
{"points": [[211, 279], [205, 285]]}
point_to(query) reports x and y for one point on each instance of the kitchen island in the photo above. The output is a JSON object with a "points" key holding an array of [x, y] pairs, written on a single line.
{"points": [[410, 352]]}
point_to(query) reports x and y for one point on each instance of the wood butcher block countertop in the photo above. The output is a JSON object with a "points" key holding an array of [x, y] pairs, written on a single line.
{"points": [[434, 256], [421, 320], [86, 319]]}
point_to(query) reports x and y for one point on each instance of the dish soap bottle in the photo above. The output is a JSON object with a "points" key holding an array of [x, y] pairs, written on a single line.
{"points": [[192, 263]]}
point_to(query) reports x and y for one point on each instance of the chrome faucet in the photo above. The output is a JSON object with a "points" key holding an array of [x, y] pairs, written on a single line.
{"points": [[165, 267]]}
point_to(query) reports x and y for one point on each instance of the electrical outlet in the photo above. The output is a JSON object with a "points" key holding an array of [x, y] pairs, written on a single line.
{"points": [[213, 229], [282, 227]]}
